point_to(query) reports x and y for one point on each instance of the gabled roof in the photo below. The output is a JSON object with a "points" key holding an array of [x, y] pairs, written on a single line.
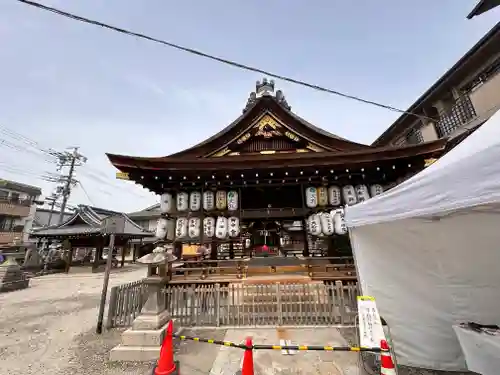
{"points": [[230, 163], [150, 212], [261, 102], [88, 220]]}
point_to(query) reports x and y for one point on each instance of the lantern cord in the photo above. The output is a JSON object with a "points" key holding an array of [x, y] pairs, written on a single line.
{"points": [[217, 58]]}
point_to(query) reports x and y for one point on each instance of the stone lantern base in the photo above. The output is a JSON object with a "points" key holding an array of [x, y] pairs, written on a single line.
{"points": [[143, 341]]}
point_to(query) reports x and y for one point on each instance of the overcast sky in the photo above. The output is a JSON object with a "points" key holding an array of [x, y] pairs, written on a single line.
{"points": [[64, 83]]}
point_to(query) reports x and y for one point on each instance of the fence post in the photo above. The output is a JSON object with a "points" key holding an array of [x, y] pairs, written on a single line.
{"points": [[217, 304], [112, 307], [340, 293], [279, 307]]}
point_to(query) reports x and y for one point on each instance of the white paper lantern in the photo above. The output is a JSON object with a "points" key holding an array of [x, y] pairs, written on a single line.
{"points": [[248, 243], [166, 203], [209, 227], [194, 227], [376, 189], [334, 195], [181, 227], [322, 196], [221, 228], [311, 197], [327, 226], [195, 201], [339, 222], [161, 228], [232, 200], [315, 225], [362, 193], [208, 200], [220, 200], [182, 201], [349, 195], [233, 224]]}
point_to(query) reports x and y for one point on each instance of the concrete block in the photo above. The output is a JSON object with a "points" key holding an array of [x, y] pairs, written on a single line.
{"points": [[144, 337], [123, 353]]}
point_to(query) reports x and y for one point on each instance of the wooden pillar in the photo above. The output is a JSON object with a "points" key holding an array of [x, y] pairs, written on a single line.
{"points": [[124, 247], [178, 250], [98, 253], [213, 251], [305, 252], [231, 250], [68, 251]]}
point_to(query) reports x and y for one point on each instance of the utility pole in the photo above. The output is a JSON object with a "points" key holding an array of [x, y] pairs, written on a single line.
{"points": [[52, 200], [72, 160]]}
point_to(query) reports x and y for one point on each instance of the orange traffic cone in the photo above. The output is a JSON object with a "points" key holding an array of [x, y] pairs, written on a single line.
{"points": [[386, 363], [247, 368], [166, 365]]}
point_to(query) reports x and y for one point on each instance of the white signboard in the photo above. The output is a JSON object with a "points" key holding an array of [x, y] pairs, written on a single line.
{"points": [[371, 332]]}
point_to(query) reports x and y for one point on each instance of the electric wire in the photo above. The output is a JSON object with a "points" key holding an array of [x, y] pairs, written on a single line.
{"points": [[85, 192], [215, 58]]}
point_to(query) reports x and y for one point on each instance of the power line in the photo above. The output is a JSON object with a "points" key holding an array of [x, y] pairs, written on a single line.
{"points": [[86, 194], [52, 157], [216, 58]]}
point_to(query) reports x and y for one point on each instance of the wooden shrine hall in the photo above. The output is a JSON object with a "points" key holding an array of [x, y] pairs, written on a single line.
{"points": [[84, 230], [268, 191]]}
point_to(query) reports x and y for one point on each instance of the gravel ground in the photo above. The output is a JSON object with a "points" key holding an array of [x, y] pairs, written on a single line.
{"points": [[49, 328]]}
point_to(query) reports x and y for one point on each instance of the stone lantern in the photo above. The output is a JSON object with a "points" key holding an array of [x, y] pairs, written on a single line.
{"points": [[142, 342]]}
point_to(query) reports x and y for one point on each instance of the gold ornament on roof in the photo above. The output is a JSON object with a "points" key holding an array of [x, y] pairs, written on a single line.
{"points": [[267, 127]]}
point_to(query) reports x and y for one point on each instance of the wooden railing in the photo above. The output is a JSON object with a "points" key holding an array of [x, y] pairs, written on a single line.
{"points": [[211, 271], [125, 303], [264, 304]]}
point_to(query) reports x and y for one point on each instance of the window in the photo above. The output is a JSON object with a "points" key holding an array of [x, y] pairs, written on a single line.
{"points": [[4, 194], [6, 223]]}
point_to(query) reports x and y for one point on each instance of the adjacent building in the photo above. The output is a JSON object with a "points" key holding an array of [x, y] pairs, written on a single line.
{"points": [[17, 210], [461, 100], [482, 7]]}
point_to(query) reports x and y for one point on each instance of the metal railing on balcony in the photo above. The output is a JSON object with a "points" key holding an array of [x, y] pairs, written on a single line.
{"points": [[460, 114], [16, 201]]}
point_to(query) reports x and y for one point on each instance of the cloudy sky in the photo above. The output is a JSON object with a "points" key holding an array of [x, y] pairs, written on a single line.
{"points": [[64, 83]]}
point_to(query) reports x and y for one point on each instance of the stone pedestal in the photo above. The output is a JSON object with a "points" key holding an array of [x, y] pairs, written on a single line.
{"points": [[143, 341], [11, 276]]}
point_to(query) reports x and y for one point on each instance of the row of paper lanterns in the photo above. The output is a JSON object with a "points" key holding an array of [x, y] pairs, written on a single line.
{"points": [[221, 228], [327, 223], [209, 200], [334, 195]]}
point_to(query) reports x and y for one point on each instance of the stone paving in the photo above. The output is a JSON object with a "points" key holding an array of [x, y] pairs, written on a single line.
{"points": [[274, 362]]}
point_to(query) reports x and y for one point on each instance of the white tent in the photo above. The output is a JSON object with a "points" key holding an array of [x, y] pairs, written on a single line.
{"points": [[428, 250]]}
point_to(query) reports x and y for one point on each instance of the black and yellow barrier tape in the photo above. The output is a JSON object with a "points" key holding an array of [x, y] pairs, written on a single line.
{"points": [[317, 348], [209, 341], [281, 347]]}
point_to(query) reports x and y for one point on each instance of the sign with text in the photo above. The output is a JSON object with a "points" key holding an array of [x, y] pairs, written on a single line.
{"points": [[371, 332]]}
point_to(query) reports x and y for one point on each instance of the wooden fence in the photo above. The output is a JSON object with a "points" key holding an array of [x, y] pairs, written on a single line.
{"points": [[243, 305], [125, 303], [276, 304]]}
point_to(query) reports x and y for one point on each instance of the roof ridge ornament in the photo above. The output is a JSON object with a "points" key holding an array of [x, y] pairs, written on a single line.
{"points": [[266, 88]]}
